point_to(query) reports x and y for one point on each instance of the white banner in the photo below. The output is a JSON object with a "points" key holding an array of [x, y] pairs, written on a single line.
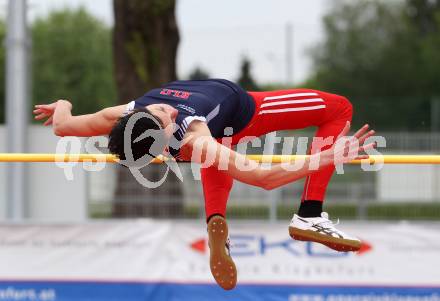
{"points": [[155, 251], [147, 251]]}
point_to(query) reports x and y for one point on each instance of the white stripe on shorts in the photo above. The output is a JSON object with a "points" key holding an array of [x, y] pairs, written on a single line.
{"points": [[292, 109], [290, 95], [185, 124], [287, 102]]}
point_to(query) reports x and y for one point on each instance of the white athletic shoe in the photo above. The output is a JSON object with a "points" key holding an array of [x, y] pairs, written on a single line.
{"points": [[323, 231]]}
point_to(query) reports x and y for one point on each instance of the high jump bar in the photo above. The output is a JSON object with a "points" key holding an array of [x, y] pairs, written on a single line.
{"points": [[40, 157]]}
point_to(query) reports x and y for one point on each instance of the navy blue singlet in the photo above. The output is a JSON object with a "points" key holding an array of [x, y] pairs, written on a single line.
{"points": [[218, 102]]}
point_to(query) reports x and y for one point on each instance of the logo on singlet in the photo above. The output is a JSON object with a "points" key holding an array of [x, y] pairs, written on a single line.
{"points": [[176, 93], [186, 108]]}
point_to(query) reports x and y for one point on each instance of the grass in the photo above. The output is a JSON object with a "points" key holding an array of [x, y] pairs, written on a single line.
{"points": [[373, 211], [398, 211]]}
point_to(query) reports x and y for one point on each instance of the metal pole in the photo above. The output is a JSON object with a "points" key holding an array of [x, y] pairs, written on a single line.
{"points": [[362, 210], [289, 54], [435, 118], [16, 104], [273, 195], [435, 127]]}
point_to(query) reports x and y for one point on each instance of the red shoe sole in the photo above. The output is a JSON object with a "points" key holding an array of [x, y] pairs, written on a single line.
{"points": [[222, 267]]}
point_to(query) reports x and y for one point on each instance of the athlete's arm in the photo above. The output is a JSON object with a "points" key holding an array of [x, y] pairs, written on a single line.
{"points": [[59, 115], [200, 147]]}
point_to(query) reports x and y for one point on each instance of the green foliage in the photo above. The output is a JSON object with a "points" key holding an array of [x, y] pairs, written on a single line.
{"points": [[159, 7], [383, 56], [198, 73], [275, 86], [72, 59], [246, 80], [415, 210]]}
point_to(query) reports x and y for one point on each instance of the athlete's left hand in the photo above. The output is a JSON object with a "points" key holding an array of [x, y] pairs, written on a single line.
{"points": [[362, 135], [353, 146]]}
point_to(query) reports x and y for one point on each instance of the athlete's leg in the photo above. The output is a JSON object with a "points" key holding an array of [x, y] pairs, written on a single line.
{"points": [[339, 110], [294, 109], [278, 110], [301, 108], [216, 187], [284, 110]]}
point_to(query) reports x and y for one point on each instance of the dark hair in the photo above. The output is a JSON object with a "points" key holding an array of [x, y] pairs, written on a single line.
{"points": [[142, 147]]}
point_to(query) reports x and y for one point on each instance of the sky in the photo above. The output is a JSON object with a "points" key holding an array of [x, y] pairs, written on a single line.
{"points": [[216, 35]]}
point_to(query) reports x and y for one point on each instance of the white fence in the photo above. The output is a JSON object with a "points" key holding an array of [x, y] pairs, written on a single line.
{"points": [[52, 197]]}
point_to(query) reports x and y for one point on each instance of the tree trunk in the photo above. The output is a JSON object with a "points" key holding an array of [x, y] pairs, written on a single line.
{"points": [[145, 41]]}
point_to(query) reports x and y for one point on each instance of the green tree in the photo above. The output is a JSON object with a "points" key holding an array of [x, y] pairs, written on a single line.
{"points": [[246, 80], [424, 15], [72, 59], [198, 73], [379, 55]]}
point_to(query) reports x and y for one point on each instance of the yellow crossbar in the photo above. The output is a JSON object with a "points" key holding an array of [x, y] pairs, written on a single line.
{"points": [[387, 159]]}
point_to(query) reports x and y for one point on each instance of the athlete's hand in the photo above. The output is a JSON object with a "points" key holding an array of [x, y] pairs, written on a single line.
{"points": [[348, 148], [47, 110]]}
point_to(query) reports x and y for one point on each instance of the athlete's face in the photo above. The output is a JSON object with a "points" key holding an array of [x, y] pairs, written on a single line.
{"points": [[167, 115]]}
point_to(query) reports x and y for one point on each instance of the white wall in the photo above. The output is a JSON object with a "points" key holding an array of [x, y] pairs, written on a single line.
{"points": [[409, 183], [51, 197]]}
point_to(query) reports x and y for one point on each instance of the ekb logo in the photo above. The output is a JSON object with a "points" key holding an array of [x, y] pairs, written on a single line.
{"points": [[260, 245]]}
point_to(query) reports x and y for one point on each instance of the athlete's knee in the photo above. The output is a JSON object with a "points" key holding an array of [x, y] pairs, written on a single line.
{"points": [[346, 107], [214, 179]]}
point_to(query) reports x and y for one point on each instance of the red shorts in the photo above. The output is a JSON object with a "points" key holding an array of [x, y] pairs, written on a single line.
{"points": [[284, 110]]}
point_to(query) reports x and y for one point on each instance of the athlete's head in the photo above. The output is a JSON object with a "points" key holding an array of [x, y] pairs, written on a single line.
{"points": [[156, 117]]}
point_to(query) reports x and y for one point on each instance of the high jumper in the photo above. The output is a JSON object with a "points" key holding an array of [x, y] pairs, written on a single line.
{"points": [[193, 118]]}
